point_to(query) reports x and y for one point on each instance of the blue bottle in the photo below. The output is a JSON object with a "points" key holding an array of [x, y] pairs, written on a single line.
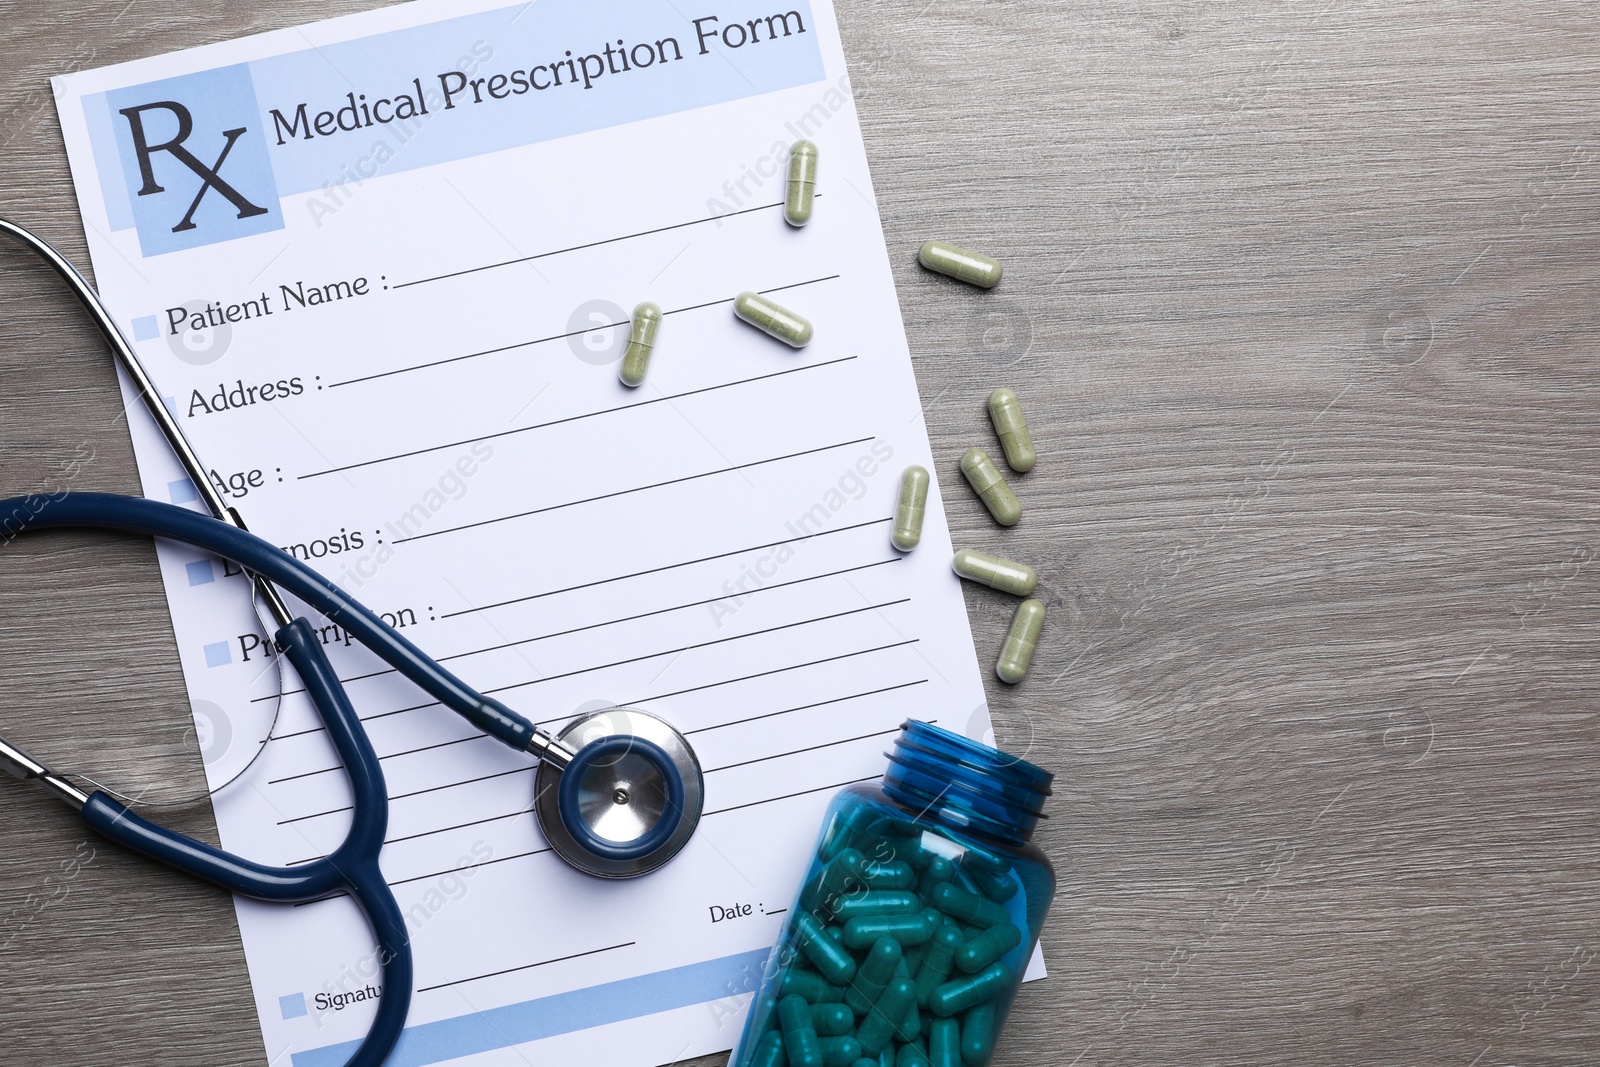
{"points": [[921, 907]]}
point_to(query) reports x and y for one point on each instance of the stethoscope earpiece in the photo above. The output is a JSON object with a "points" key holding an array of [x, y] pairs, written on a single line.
{"points": [[628, 801]]}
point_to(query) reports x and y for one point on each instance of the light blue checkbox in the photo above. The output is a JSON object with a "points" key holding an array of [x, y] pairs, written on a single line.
{"points": [[145, 328], [218, 654], [293, 1006], [182, 491], [200, 572]]}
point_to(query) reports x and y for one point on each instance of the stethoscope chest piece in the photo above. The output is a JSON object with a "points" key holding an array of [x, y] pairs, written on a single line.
{"points": [[629, 800]]}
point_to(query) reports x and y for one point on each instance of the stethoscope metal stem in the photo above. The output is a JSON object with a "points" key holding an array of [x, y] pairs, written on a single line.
{"points": [[19, 764], [215, 503]]}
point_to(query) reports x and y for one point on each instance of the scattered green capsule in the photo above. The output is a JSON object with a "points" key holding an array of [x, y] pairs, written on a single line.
{"points": [[810, 986], [1005, 411], [641, 340], [1018, 579], [866, 1061], [832, 1020], [888, 1011], [873, 975], [906, 929], [911, 1056], [826, 954], [802, 183], [944, 1043], [799, 1039], [967, 906], [974, 268], [977, 1033], [910, 508], [890, 874], [1016, 654], [769, 1051], [988, 947], [987, 481], [839, 1051], [878, 902], [772, 320], [937, 962], [962, 993]]}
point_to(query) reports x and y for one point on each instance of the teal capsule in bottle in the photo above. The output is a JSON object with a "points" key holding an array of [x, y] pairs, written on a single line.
{"points": [[800, 1040], [968, 907], [1005, 411], [960, 816], [769, 1051], [839, 1051], [800, 189], [1018, 579], [1022, 639], [641, 342], [825, 954], [977, 1033], [974, 268], [772, 319], [988, 947], [873, 974], [910, 508], [987, 481]]}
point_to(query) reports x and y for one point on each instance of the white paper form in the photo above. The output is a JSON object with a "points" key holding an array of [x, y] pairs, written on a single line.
{"points": [[381, 267]]}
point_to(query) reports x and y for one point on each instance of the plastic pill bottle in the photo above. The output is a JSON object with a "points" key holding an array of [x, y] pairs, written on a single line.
{"points": [[916, 919]]}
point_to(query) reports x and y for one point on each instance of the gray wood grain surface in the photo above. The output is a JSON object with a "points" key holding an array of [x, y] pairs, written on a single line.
{"points": [[1302, 300]]}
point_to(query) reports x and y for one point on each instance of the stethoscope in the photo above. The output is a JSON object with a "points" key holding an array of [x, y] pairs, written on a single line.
{"points": [[617, 794]]}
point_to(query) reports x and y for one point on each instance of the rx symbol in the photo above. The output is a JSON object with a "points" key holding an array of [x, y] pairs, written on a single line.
{"points": [[210, 177]]}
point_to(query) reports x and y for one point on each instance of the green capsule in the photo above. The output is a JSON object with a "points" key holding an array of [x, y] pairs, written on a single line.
{"points": [[974, 268], [876, 903], [768, 1051], [802, 183], [841, 877], [906, 929], [911, 1056], [1005, 411], [937, 962], [997, 887], [988, 947], [991, 487], [959, 994], [832, 1020], [974, 858], [866, 1061], [1016, 654], [842, 832], [944, 1043], [911, 1027], [799, 1039], [873, 975], [888, 1012], [968, 907], [826, 954], [939, 870], [910, 508], [810, 986], [1015, 578], [890, 874], [977, 1033], [772, 320], [641, 340], [839, 1051]]}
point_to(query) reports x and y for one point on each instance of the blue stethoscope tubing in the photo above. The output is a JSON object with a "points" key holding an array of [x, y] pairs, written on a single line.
{"points": [[353, 866]]}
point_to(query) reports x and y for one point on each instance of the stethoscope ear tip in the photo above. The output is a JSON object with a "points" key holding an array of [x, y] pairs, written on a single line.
{"points": [[628, 801]]}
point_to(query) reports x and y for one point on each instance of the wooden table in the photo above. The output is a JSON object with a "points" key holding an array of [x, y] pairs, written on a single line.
{"points": [[1302, 300]]}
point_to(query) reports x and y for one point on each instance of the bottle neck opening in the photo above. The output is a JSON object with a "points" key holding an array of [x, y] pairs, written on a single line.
{"points": [[965, 784]]}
